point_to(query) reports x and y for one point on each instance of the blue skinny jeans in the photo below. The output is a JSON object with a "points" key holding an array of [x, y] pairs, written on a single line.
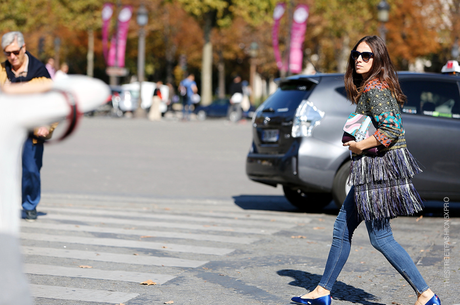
{"points": [[32, 160], [381, 238], [186, 110]]}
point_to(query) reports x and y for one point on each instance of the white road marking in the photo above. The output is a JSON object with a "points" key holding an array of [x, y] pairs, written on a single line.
{"points": [[153, 233], [210, 218], [162, 224], [78, 294], [113, 258], [113, 242], [98, 274]]}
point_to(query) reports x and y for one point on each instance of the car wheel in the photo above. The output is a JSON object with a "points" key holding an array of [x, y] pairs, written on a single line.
{"points": [[201, 115], [307, 202], [340, 188]]}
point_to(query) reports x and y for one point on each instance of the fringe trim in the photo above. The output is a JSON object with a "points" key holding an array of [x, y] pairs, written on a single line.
{"points": [[387, 199], [393, 164]]}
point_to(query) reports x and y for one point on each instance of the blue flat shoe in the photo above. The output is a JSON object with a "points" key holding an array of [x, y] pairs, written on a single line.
{"points": [[434, 301], [326, 300]]}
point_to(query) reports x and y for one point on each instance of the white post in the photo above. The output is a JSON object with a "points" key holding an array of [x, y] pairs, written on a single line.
{"points": [[23, 112]]}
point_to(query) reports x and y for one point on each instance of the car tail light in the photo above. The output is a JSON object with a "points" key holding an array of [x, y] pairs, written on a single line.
{"points": [[256, 113], [306, 118]]}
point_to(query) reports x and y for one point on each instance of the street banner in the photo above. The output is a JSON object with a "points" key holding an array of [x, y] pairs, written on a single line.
{"points": [[280, 8], [118, 43], [298, 29], [107, 12]]}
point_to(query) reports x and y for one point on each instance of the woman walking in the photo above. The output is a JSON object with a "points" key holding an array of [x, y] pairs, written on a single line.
{"points": [[382, 187]]}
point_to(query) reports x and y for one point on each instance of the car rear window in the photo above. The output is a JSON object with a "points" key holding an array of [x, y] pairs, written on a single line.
{"points": [[289, 95]]}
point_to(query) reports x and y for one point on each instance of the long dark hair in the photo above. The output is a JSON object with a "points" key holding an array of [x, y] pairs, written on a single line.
{"points": [[382, 68]]}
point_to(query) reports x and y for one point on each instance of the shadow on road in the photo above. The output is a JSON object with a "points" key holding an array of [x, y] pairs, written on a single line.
{"points": [[23, 214], [440, 209], [281, 204], [275, 203], [264, 203], [341, 291]]}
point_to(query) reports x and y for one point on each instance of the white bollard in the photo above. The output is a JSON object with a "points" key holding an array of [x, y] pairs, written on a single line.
{"points": [[21, 113]]}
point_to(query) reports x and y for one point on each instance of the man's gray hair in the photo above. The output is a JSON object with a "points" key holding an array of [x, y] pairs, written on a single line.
{"points": [[9, 38]]}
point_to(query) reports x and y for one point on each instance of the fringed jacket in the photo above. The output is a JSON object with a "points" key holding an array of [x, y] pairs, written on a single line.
{"points": [[382, 183]]}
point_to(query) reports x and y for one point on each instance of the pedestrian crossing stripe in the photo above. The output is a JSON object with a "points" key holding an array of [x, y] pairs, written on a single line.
{"points": [[78, 294], [124, 243], [155, 216], [153, 224], [113, 257], [98, 274], [219, 228], [134, 232]]}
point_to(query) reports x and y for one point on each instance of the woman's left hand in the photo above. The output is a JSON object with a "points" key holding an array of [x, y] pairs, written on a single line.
{"points": [[353, 146]]}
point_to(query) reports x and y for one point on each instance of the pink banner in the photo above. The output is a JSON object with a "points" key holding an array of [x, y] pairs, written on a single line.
{"points": [[277, 15], [107, 12], [112, 52], [117, 56], [299, 27]]}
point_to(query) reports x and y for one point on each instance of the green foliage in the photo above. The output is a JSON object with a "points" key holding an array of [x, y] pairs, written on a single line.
{"points": [[30, 15], [253, 12], [81, 14], [16, 15]]}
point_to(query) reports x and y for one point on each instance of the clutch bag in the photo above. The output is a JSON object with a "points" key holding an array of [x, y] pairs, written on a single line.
{"points": [[357, 128]]}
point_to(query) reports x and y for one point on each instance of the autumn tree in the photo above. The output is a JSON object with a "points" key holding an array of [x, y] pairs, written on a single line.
{"points": [[413, 30], [84, 15], [220, 13], [416, 29], [17, 16]]}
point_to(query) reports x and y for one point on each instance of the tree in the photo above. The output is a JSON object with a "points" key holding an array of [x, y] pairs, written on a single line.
{"points": [[81, 15], [413, 30], [220, 13]]}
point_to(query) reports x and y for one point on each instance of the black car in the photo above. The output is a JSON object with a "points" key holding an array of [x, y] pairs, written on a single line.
{"points": [[297, 136]]}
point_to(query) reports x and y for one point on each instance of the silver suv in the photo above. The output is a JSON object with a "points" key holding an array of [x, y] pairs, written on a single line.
{"points": [[297, 135]]}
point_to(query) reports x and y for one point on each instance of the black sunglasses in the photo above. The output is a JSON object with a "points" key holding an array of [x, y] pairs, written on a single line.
{"points": [[8, 54], [366, 56]]}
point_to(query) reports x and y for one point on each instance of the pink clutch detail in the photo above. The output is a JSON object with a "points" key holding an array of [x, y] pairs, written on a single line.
{"points": [[357, 128]]}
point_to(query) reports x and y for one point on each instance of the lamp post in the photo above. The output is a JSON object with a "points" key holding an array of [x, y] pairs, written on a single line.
{"points": [[383, 9], [454, 52], [253, 51], [57, 47], [142, 19]]}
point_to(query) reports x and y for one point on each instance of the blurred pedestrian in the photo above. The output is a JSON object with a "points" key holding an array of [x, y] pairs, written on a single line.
{"points": [[155, 113], [382, 187], [171, 97], [62, 72], [236, 97], [50, 67], [21, 67], [246, 102], [188, 88]]}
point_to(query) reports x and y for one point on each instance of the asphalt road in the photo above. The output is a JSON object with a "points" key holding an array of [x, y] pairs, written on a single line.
{"points": [[169, 159], [127, 201]]}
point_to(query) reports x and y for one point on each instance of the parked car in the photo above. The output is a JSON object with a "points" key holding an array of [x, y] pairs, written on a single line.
{"points": [[125, 98], [219, 109], [297, 135]]}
